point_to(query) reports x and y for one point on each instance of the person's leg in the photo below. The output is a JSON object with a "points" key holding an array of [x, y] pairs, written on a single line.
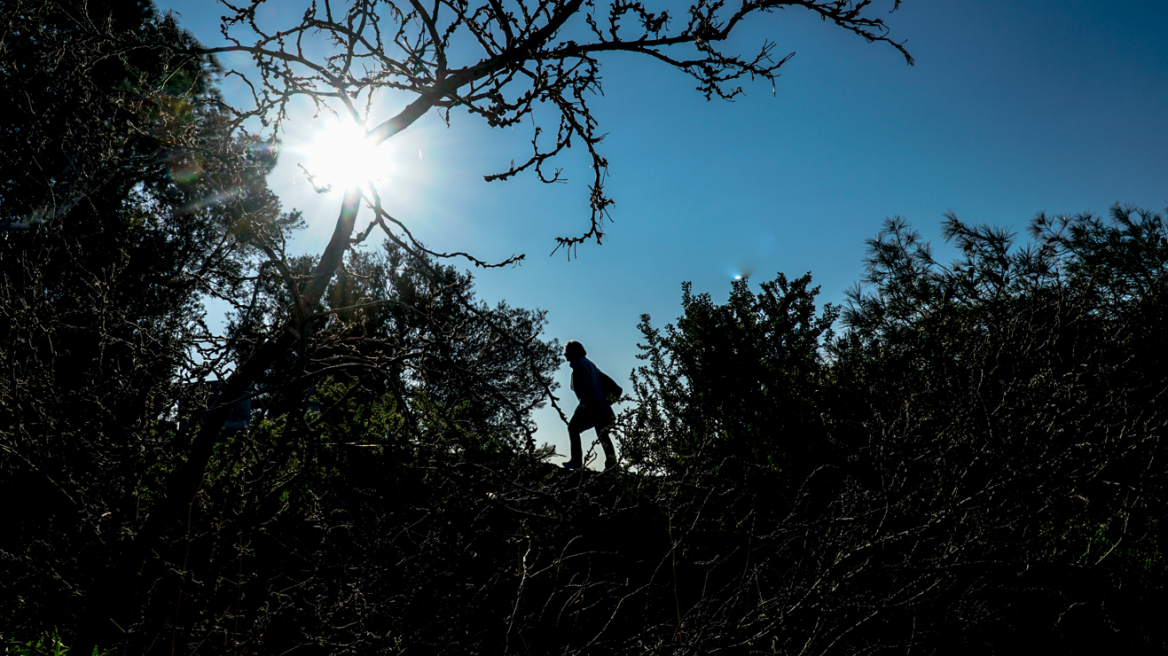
{"points": [[577, 459], [581, 421], [606, 444]]}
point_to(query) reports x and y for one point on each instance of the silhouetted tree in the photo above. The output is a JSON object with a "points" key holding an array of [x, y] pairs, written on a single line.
{"points": [[736, 385], [131, 192], [1005, 424], [125, 199], [505, 62], [410, 326], [988, 473]]}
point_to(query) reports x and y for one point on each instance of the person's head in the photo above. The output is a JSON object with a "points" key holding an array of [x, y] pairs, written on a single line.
{"points": [[574, 350]]}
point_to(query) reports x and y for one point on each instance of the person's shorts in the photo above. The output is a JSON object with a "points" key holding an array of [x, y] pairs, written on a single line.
{"points": [[584, 418]]}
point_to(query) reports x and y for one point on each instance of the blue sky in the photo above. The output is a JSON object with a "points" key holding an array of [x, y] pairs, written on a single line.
{"points": [[1013, 107]]}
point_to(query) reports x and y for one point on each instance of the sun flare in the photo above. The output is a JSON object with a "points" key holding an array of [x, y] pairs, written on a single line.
{"points": [[341, 156]]}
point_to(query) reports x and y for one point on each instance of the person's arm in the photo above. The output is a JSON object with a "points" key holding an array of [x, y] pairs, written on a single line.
{"points": [[578, 383]]}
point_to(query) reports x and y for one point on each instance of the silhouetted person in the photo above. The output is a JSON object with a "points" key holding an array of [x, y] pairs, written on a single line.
{"points": [[594, 410]]}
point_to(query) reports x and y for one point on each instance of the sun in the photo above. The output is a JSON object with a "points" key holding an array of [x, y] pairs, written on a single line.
{"points": [[341, 156]]}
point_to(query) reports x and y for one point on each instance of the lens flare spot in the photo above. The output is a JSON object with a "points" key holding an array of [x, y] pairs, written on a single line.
{"points": [[184, 170]]}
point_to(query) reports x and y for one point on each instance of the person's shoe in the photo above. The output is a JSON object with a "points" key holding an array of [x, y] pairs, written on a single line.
{"points": [[571, 467]]}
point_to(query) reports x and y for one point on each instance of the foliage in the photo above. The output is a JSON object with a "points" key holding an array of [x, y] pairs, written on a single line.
{"points": [[470, 370], [971, 464], [408, 325], [736, 384], [984, 481], [124, 201], [1002, 405], [47, 645]]}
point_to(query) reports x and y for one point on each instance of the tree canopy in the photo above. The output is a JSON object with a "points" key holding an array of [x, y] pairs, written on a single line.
{"points": [[735, 383], [506, 62], [970, 460]]}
